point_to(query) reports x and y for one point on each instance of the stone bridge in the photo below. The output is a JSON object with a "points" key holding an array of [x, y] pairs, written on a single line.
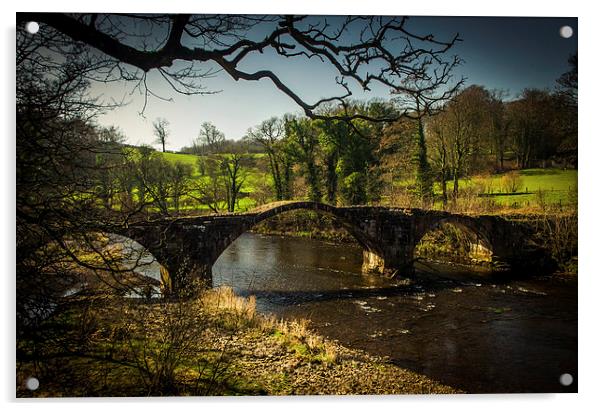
{"points": [[187, 247]]}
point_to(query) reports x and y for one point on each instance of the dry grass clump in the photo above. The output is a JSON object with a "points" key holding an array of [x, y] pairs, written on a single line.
{"points": [[297, 337], [224, 298]]}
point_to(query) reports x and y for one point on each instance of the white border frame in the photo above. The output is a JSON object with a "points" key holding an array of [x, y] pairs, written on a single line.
{"points": [[590, 149]]}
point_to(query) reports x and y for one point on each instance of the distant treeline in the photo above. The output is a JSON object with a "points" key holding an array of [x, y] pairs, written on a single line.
{"points": [[226, 146], [477, 131]]}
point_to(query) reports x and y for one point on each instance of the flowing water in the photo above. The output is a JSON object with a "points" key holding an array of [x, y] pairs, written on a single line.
{"points": [[473, 331]]}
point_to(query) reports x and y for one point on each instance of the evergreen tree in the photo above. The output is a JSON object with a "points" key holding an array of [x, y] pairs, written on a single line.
{"points": [[424, 180]]}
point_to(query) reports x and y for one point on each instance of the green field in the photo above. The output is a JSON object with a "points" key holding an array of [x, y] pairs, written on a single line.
{"points": [[552, 186], [191, 159]]}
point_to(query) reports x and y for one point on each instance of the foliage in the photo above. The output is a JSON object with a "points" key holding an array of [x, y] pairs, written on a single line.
{"points": [[353, 188], [423, 177], [304, 144]]}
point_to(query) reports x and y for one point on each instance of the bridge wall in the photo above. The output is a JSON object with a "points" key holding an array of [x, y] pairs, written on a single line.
{"points": [[188, 247]]}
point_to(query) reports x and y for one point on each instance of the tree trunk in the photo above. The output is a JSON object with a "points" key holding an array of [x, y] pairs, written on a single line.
{"points": [[501, 158], [275, 170], [424, 182], [456, 184], [315, 193], [444, 188], [331, 178], [286, 181]]}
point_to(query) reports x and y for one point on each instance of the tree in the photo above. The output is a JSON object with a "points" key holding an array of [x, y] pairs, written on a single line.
{"points": [[181, 175], [305, 137], [233, 172], [439, 152], [210, 189], [461, 130], [63, 161], [358, 48], [210, 139], [221, 187], [160, 129], [127, 181], [140, 161], [535, 134], [423, 177], [500, 125], [421, 94], [567, 84], [333, 136], [567, 96], [395, 150], [349, 147], [155, 178], [270, 134]]}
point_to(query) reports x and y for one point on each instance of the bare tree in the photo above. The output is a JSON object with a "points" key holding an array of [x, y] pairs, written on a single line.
{"points": [[270, 134], [209, 190], [210, 139], [221, 186], [185, 49], [64, 161], [233, 169], [567, 83], [161, 131], [461, 127]]}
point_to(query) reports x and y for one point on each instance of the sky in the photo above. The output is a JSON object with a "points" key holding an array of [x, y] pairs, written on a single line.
{"points": [[508, 54]]}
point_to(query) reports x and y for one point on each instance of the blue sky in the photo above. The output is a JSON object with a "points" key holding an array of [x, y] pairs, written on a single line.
{"points": [[499, 53]]}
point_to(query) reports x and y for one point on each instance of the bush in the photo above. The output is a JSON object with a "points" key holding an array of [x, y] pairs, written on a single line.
{"points": [[559, 234], [512, 182]]}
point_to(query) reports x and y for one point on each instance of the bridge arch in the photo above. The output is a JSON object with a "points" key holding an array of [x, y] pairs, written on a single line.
{"points": [[372, 253], [111, 258], [326, 209], [475, 232]]}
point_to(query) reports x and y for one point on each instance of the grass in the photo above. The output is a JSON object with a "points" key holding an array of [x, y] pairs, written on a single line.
{"points": [[555, 186], [190, 159]]}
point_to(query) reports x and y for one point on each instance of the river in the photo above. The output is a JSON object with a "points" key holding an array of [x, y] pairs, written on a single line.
{"points": [[474, 331]]}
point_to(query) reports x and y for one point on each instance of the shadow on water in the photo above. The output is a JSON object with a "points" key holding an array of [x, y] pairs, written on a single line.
{"points": [[429, 278], [471, 330]]}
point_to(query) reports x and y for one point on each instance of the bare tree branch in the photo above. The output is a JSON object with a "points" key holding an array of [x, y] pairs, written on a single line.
{"points": [[364, 50]]}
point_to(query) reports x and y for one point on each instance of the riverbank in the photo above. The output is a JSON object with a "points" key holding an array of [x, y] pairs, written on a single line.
{"points": [[215, 344]]}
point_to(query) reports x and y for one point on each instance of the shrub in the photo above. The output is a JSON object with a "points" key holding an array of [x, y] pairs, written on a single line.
{"points": [[559, 233], [512, 182]]}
